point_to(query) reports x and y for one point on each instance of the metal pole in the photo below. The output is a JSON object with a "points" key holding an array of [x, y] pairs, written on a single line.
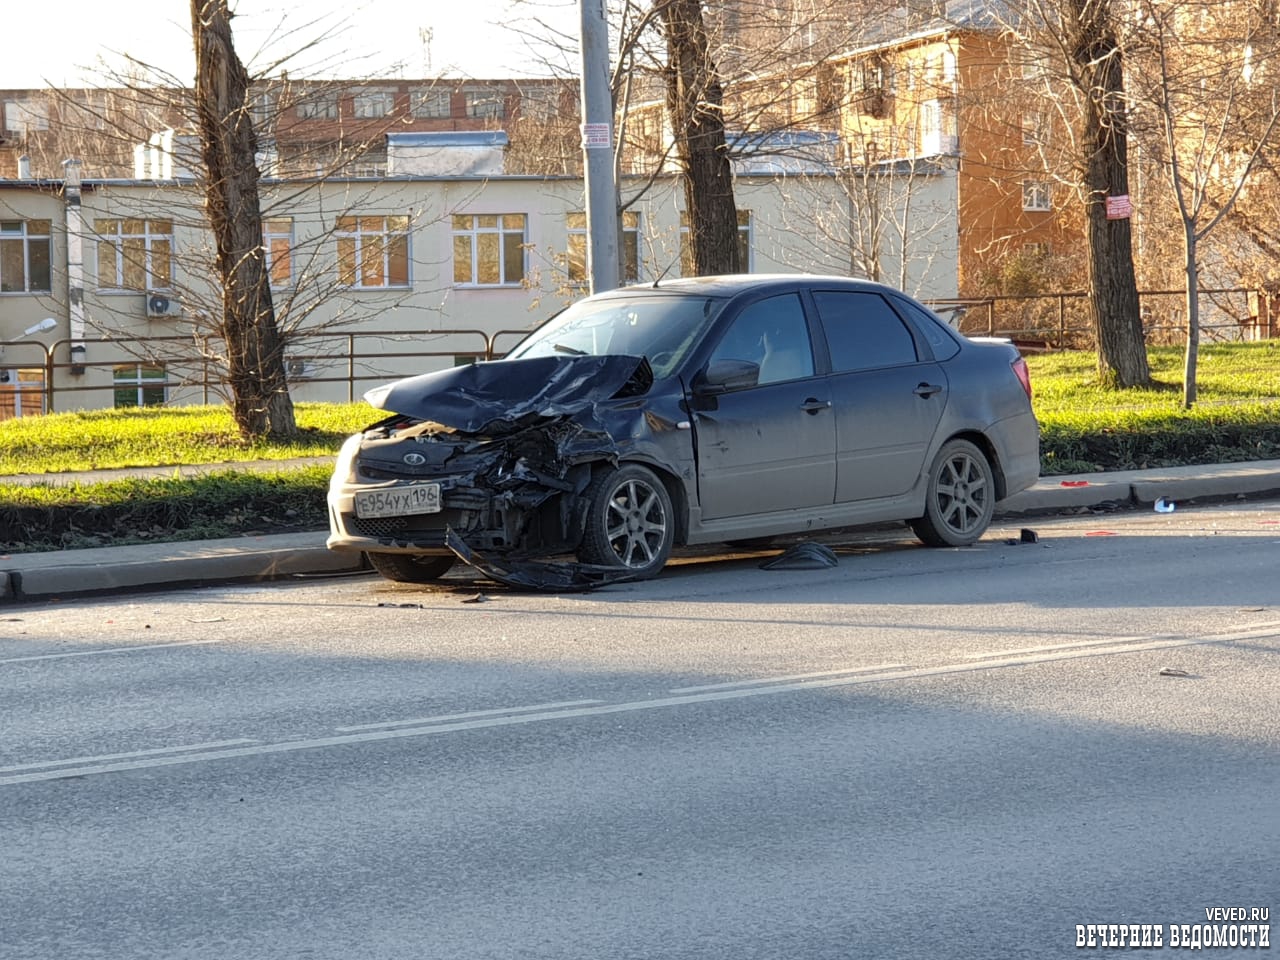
{"points": [[597, 149]]}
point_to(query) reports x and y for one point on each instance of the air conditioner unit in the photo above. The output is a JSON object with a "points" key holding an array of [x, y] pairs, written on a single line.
{"points": [[299, 369], [163, 305]]}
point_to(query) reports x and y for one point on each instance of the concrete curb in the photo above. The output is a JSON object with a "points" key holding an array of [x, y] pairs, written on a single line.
{"points": [[1144, 487], [33, 577], [25, 577]]}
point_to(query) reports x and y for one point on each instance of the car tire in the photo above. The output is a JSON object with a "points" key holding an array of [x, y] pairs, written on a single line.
{"points": [[630, 521], [410, 567], [960, 499]]}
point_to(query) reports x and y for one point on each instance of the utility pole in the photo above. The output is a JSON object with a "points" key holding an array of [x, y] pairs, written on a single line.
{"points": [[597, 149]]}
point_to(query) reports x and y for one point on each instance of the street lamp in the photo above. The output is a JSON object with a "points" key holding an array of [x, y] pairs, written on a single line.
{"points": [[48, 323]]}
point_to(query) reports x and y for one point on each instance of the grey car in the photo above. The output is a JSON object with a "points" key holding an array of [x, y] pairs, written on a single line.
{"points": [[700, 410]]}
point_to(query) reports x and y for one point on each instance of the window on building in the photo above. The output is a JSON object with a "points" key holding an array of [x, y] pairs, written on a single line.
{"points": [[488, 249], [373, 251], [23, 116], [744, 243], [1035, 195], [134, 254], [370, 104], [277, 244], [139, 385], [427, 104], [540, 104], [264, 107], [484, 104], [1035, 128], [21, 392], [319, 106], [24, 256], [576, 252]]}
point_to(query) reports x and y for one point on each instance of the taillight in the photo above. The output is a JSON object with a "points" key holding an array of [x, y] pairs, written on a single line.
{"points": [[1023, 374]]}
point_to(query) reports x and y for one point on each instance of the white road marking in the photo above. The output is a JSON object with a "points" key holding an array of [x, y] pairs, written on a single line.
{"points": [[784, 679], [445, 717], [123, 756], [1258, 630], [602, 709], [98, 653]]}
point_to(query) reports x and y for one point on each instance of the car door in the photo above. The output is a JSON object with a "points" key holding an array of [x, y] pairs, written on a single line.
{"points": [[888, 394], [769, 446]]}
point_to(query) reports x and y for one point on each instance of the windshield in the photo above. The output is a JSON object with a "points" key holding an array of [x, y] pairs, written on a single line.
{"points": [[660, 327]]}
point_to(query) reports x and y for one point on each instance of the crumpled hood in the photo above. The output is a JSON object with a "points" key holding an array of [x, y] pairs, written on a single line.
{"points": [[485, 397]]}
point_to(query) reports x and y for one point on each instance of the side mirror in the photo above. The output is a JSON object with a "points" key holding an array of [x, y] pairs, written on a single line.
{"points": [[721, 376]]}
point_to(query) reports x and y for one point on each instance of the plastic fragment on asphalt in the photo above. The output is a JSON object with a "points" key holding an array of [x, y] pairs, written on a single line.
{"points": [[1073, 483], [478, 598], [802, 556], [1173, 672], [1029, 536], [1101, 533], [402, 606], [1165, 505]]}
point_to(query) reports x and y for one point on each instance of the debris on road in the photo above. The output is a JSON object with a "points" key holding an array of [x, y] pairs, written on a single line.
{"points": [[802, 556]]}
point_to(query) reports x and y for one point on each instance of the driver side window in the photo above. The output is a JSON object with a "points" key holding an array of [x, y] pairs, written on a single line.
{"points": [[773, 334]]}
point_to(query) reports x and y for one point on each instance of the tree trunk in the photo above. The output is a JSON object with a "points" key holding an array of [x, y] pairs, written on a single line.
{"points": [[694, 101], [1193, 316], [260, 401], [1113, 289]]}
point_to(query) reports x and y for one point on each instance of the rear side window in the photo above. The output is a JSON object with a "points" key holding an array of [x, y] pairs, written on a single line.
{"points": [[941, 340], [863, 331]]}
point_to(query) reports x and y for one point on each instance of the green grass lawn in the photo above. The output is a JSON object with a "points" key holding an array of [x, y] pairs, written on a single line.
{"points": [[1239, 387], [1083, 428]]}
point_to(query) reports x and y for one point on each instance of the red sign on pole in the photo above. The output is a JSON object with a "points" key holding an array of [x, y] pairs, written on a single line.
{"points": [[1119, 208]]}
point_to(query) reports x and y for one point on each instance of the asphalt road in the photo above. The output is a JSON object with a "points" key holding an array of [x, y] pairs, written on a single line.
{"points": [[917, 753]]}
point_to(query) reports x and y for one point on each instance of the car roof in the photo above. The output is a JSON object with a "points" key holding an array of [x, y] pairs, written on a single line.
{"points": [[730, 285]]}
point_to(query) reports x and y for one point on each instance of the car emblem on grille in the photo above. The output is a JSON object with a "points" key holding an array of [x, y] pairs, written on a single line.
{"points": [[414, 459]]}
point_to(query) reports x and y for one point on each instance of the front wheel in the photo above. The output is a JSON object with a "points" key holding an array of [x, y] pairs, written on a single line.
{"points": [[410, 567], [630, 522], [960, 498]]}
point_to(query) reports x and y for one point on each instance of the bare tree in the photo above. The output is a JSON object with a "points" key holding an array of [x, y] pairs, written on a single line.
{"points": [[261, 405], [1210, 89], [695, 103], [1085, 39]]}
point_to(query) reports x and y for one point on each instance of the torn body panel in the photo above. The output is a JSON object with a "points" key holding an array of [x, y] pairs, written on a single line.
{"points": [[503, 455]]}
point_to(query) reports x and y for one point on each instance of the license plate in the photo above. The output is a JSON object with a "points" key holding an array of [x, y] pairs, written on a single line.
{"points": [[398, 501]]}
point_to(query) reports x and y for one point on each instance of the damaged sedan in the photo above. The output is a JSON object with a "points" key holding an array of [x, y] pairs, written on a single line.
{"points": [[711, 409]]}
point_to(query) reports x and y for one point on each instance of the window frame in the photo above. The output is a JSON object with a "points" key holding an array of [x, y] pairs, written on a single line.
{"points": [[477, 98], [361, 245], [419, 99], [746, 227], [271, 258], [140, 384], [23, 116], [115, 237], [475, 234], [27, 239], [362, 101], [318, 106], [1037, 196], [576, 262]]}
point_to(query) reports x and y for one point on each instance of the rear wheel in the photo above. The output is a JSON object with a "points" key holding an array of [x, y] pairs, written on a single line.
{"points": [[630, 522], [410, 567], [960, 499]]}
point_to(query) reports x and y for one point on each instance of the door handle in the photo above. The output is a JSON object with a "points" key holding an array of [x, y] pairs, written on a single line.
{"points": [[927, 390], [813, 405]]}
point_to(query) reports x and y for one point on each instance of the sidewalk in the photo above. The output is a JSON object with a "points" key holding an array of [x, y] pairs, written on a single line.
{"points": [[42, 576]]}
